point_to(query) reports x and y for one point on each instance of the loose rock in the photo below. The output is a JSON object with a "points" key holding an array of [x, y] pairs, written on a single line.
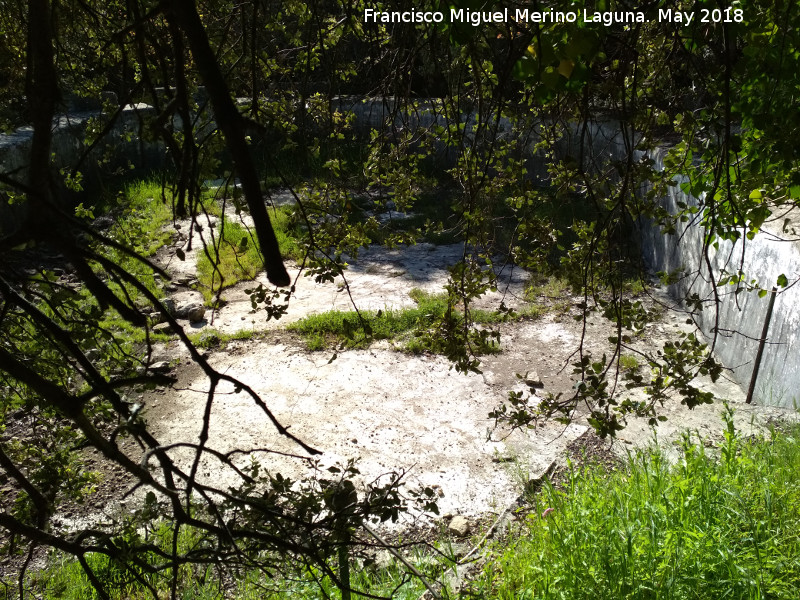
{"points": [[193, 311], [533, 380], [162, 328], [169, 304], [459, 526]]}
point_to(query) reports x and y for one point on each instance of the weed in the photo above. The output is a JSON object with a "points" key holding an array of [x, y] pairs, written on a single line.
{"points": [[66, 580], [141, 212], [144, 210], [717, 523], [548, 294], [211, 338], [232, 254], [706, 527], [548, 288], [628, 362], [230, 257], [389, 580]]}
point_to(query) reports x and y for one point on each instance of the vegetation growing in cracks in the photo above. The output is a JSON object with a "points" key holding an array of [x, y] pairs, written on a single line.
{"points": [[503, 98]]}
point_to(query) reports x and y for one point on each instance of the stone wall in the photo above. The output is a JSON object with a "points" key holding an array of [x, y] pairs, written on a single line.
{"points": [[113, 158]]}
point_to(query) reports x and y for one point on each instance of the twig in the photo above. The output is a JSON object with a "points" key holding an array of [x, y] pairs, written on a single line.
{"points": [[400, 557]]}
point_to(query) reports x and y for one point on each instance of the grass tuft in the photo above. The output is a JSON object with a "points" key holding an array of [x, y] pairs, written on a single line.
{"points": [[628, 362], [549, 294], [211, 338], [413, 328]]}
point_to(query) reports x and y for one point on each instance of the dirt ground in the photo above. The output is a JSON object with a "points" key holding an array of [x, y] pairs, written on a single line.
{"points": [[397, 412]]}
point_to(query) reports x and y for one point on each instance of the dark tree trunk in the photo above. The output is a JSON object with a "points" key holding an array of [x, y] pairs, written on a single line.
{"points": [[42, 91], [230, 123]]}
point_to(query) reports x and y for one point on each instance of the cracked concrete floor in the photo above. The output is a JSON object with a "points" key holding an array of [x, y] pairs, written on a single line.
{"points": [[397, 412]]}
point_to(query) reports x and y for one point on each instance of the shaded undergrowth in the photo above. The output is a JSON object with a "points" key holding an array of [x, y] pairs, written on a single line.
{"points": [[233, 254]]}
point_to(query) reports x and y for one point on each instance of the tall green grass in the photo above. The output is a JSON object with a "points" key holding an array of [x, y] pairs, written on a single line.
{"points": [[65, 579], [144, 210], [715, 525], [141, 213]]}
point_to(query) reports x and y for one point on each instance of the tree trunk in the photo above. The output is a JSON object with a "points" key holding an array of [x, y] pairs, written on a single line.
{"points": [[230, 123], [42, 91]]}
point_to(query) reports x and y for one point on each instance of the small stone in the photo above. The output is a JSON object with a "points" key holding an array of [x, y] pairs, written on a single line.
{"points": [[532, 379], [194, 311], [160, 367], [458, 526], [197, 314], [169, 304], [162, 328], [384, 559]]}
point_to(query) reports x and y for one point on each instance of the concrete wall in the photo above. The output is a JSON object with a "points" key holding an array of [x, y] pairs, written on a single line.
{"points": [[741, 315], [122, 149]]}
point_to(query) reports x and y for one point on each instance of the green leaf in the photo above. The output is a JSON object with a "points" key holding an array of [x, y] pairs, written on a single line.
{"points": [[565, 67], [782, 280]]}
